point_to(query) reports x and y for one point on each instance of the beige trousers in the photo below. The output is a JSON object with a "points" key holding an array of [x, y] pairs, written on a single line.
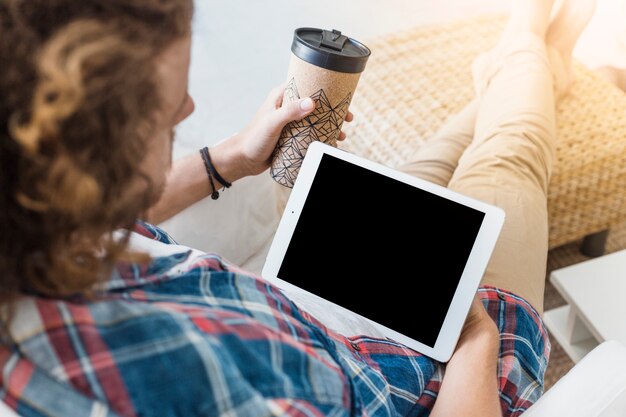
{"points": [[500, 149]]}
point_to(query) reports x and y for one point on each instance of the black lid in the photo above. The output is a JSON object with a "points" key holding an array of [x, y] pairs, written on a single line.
{"points": [[330, 50]]}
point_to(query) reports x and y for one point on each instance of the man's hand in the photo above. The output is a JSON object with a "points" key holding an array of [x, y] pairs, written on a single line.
{"points": [[253, 146], [246, 153], [479, 330], [470, 384]]}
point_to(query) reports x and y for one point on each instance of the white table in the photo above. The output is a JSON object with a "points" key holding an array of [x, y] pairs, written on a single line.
{"points": [[595, 291]]}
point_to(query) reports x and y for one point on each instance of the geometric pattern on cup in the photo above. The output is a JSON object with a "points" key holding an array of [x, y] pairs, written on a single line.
{"points": [[323, 125]]}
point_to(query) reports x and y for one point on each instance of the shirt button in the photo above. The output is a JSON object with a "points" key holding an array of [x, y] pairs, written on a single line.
{"points": [[356, 347], [501, 296]]}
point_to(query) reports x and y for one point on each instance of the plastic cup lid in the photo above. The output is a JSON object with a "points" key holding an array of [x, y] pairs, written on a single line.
{"points": [[330, 50]]}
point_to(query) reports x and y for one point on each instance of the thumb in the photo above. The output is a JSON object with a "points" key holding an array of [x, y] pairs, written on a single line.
{"points": [[296, 110]]}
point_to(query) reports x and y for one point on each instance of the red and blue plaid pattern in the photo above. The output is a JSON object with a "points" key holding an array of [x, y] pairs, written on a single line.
{"points": [[190, 335]]}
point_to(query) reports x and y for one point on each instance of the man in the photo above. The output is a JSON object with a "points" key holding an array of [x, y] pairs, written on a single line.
{"points": [[99, 320]]}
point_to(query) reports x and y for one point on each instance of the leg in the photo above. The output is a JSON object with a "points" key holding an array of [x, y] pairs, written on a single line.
{"points": [[563, 33], [510, 160], [437, 158], [594, 245], [509, 165]]}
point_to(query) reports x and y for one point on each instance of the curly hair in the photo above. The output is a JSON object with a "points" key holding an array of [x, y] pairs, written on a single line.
{"points": [[78, 101]]}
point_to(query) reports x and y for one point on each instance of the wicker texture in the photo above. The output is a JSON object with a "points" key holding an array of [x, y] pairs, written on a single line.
{"points": [[415, 80]]}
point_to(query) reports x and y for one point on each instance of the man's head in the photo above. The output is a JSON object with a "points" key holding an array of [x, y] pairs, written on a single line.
{"points": [[90, 92]]}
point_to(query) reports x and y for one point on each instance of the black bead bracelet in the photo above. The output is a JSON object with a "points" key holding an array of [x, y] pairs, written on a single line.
{"points": [[211, 172]]}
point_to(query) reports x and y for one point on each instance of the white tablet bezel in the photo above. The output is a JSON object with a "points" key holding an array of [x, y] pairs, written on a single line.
{"points": [[472, 274]]}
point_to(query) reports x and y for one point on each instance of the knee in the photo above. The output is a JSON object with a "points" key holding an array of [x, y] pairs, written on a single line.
{"points": [[519, 156], [504, 171]]}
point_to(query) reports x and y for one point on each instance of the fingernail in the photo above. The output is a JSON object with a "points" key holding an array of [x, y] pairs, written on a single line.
{"points": [[307, 104]]}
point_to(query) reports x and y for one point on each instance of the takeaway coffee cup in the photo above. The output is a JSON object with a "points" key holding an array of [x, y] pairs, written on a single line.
{"points": [[326, 66]]}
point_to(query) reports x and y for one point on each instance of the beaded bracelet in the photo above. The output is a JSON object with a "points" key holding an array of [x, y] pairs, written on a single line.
{"points": [[204, 152], [216, 174]]}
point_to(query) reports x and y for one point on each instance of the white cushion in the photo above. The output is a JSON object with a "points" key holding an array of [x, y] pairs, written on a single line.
{"points": [[594, 387], [238, 225]]}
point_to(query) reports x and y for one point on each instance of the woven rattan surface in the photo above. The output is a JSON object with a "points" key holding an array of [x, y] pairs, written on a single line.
{"points": [[415, 80]]}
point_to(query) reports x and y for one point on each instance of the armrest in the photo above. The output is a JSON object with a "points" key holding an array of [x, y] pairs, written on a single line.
{"points": [[594, 387]]}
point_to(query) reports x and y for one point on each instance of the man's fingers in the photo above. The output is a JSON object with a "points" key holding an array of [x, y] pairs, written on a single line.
{"points": [[276, 96], [296, 110]]}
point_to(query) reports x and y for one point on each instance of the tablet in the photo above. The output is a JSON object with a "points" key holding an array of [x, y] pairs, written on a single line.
{"points": [[402, 253]]}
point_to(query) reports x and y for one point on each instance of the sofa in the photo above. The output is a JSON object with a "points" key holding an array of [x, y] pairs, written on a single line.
{"points": [[414, 81]]}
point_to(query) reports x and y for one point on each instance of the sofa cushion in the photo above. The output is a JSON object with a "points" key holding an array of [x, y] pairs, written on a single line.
{"points": [[594, 387]]}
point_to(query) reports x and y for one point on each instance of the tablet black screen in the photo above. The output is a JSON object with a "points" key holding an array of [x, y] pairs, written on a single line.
{"points": [[384, 249]]}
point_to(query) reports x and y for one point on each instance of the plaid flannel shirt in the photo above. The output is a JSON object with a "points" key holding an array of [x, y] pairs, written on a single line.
{"points": [[192, 335]]}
